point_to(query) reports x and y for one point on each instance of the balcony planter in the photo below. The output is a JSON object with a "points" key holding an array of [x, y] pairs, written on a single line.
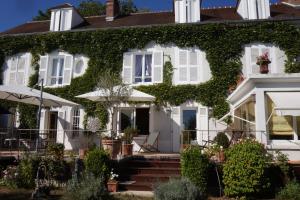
{"points": [[264, 67], [112, 185], [112, 146]]}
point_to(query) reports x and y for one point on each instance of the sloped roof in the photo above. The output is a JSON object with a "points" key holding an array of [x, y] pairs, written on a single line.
{"points": [[278, 11], [65, 5]]}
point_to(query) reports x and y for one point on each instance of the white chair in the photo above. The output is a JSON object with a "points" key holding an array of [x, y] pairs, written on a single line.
{"points": [[149, 143]]}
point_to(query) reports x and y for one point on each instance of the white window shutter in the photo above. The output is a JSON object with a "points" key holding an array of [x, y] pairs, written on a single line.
{"points": [[20, 78], [183, 66], [158, 62], [194, 66], [44, 62], [13, 71], [254, 68], [68, 67], [127, 68]]}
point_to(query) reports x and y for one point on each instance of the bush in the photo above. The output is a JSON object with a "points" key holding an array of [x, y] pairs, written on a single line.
{"points": [[290, 192], [244, 170], [56, 151], [222, 140], [182, 189], [194, 166], [97, 163], [88, 188]]}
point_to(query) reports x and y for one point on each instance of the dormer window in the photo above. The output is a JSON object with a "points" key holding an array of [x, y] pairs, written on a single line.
{"points": [[187, 11], [64, 17], [254, 9]]}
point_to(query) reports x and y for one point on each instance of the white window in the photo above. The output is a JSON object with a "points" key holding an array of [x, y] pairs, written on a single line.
{"points": [[17, 70], [61, 20], [143, 67], [57, 70], [251, 57], [188, 70], [187, 11], [76, 122]]}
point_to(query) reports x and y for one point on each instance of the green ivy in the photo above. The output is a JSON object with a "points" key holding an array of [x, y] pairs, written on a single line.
{"points": [[223, 44]]}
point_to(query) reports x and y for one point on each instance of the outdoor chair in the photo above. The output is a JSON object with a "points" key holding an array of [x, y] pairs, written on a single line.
{"points": [[149, 144]]}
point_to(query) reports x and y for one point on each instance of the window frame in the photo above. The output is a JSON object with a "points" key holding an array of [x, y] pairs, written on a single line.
{"points": [[143, 77], [76, 122], [188, 66], [57, 76], [16, 71]]}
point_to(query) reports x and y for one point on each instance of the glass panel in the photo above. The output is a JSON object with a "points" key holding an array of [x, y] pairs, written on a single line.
{"points": [[148, 68], [298, 127], [54, 67], [61, 68], [280, 127], [189, 125], [138, 68], [126, 119]]}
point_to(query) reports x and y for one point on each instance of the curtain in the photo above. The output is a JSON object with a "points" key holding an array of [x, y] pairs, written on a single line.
{"points": [[138, 68], [148, 65]]}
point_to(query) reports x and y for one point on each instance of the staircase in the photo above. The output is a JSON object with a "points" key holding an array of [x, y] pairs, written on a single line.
{"points": [[142, 174]]}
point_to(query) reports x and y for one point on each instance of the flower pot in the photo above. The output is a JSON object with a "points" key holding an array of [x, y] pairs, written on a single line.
{"points": [[264, 68], [220, 156], [112, 186], [127, 149], [113, 147]]}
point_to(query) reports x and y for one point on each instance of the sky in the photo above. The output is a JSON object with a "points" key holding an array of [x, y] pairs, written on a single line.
{"points": [[16, 12]]}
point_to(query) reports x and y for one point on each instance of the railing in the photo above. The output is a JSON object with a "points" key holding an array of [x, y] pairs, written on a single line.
{"points": [[205, 137]]}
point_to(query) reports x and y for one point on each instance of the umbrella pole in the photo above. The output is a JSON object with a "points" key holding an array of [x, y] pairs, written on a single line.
{"points": [[39, 114]]}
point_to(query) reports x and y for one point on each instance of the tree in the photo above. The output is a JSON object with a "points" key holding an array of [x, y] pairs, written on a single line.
{"points": [[115, 92], [127, 7], [42, 16], [91, 8]]}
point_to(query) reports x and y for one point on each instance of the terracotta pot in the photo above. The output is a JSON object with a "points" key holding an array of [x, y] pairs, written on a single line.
{"points": [[112, 186], [127, 149], [113, 147], [264, 68], [221, 156], [82, 153]]}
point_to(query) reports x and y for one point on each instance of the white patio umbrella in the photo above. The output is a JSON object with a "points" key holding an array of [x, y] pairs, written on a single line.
{"points": [[101, 95], [28, 95]]}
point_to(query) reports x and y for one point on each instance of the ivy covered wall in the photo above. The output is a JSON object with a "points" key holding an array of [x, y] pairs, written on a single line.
{"points": [[223, 44]]}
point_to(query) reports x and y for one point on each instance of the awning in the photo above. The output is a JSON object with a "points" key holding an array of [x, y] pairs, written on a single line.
{"points": [[101, 95], [29, 95], [286, 103]]}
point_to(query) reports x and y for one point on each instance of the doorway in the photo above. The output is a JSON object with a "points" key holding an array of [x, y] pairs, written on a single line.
{"points": [[189, 126], [53, 116], [142, 121]]}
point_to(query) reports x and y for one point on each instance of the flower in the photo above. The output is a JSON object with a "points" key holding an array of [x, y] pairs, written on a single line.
{"points": [[113, 176], [263, 59]]}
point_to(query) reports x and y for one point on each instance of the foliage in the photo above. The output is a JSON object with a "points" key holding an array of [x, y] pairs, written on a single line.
{"points": [[168, 72], [290, 192], [244, 170], [222, 140], [28, 115], [56, 151], [127, 7], [281, 160], [87, 188], [42, 15], [91, 8], [9, 177], [97, 163], [214, 39], [181, 189], [194, 166], [129, 133]]}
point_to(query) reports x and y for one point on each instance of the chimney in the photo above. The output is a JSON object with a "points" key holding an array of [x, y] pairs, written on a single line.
{"points": [[112, 9]]}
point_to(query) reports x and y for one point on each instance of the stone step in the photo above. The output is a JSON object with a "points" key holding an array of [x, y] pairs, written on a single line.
{"points": [[153, 178], [153, 170], [136, 186], [154, 163]]}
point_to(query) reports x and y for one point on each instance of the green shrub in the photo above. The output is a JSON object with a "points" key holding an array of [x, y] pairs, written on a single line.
{"points": [[290, 192], [244, 170], [222, 140], [97, 163], [181, 189], [194, 166], [56, 151], [88, 188]]}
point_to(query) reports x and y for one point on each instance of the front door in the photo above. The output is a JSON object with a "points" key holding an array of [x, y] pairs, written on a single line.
{"points": [[189, 123], [142, 121], [53, 116]]}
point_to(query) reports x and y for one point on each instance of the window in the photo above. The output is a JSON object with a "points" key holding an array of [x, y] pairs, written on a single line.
{"points": [[189, 66], [61, 20], [189, 126], [187, 11], [57, 71], [76, 122], [254, 52], [17, 70], [143, 68], [79, 66]]}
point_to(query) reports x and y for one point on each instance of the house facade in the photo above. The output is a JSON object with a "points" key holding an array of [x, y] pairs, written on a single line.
{"points": [[135, 46]]}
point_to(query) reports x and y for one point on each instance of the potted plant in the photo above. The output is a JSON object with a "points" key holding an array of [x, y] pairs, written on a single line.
{"points": [[112, 184], [263, 61], [112, 146], [127, 145]]}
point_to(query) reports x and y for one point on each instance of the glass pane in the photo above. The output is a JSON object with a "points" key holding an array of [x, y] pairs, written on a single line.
{"points": [[148, 65], [54, 67], [138, 67], [60, 80], [126, 119], [53, 81], [61, 67], [189, 124]]}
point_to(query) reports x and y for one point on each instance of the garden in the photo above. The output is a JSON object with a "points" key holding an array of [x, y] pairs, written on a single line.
{"points": [[244, 170]]}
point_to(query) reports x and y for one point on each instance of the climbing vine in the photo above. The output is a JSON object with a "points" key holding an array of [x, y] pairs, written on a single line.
{"points": [[223, 44]]}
